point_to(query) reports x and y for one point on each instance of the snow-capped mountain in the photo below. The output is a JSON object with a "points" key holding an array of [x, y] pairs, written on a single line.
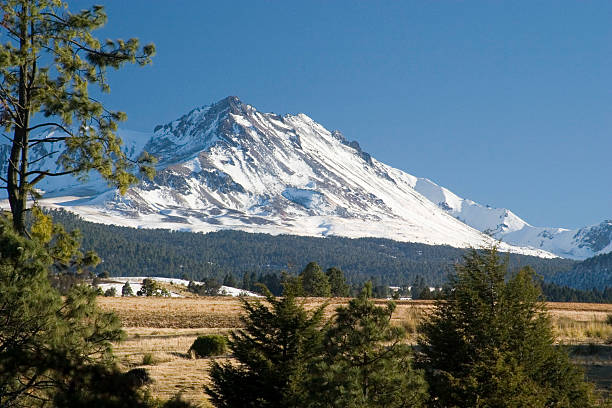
{"points": [[228, 166], [504, 225], [45, 156]]}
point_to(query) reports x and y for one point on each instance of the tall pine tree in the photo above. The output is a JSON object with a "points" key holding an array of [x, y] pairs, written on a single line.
{"points": [[273, 351], [54, 351], [366, 362], [337, 282], [490, 343], [314, 281], [48, 59]]}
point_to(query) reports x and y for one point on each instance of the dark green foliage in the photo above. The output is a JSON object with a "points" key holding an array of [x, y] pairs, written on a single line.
{"points": [[126, 290], [150, 287], [314, 281], [593, 274], [98, 386], [134, 252], [366, 362], [148, 359], [53, 348], [273, 351], [337, 282], [381, 292], [48, 59], [230, 280], [175, 402], [557, 293], [419, 289], [209, 287], [272, 281], [490, 343], [110, 292], [209, 345], [138, 377]]}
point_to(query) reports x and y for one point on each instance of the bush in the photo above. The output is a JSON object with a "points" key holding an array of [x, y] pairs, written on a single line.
{"points": [[138, 377], [126, 290], [148, 359], [110, 292], [210, 345]]}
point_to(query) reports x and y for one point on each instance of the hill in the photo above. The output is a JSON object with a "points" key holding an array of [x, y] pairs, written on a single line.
{"points": [[156, 252]]}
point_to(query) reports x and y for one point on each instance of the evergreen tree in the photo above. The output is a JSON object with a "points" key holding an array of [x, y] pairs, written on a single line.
{"points": [[47, 60], [419, 289], [314, 281], [230, 280], [209, 287], [337, 282], [490, 343], [50, 345], [273, 351], [366, 362], [291, 284], [150, 287], [126, 290]]}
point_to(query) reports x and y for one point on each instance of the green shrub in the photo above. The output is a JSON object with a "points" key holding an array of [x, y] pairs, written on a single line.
{"points": [[148, 359], [209, 345]]}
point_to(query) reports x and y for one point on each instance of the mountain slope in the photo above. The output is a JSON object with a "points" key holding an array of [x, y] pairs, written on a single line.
{"points": [[503, 224], [592, 273], [228, 166]]}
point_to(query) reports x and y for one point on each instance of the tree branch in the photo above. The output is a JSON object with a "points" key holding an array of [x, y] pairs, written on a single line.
{"points": [[50, 124], [43, 156], [42, 174]]}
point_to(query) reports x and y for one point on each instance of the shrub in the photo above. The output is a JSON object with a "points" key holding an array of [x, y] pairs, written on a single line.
{"points": [[110, 292], [210, 345], [138, 377], [126, 290], [148, 359]]}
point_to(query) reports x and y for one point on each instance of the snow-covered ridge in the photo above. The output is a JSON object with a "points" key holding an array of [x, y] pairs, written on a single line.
{"points": [[229, 166], [504, 225], [136, 283]]}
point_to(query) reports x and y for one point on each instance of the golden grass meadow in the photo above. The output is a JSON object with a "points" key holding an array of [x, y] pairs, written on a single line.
{"points": [[161, 330]]}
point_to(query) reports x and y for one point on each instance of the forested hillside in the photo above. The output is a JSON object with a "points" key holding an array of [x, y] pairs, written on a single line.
{"points": [[138, 252], [592, 273]]}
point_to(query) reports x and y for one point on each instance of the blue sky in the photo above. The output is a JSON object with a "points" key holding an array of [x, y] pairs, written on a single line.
{"points": [[506, 103]]}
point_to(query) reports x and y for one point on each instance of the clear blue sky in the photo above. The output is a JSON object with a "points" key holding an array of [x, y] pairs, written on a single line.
{"points": [[506, 103]]}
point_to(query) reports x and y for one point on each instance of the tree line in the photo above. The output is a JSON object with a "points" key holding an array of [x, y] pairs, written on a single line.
{"points": [[154, 252], [489, 343]]}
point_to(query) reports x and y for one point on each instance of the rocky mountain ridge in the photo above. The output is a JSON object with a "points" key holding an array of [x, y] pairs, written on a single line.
{"points": [[229, 166]]}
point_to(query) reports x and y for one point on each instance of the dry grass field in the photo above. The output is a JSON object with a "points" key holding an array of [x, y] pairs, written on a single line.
{"points": [[161, 330]]}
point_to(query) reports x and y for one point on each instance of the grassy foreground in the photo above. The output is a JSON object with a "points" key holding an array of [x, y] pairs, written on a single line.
{"points": [[161, 330]]}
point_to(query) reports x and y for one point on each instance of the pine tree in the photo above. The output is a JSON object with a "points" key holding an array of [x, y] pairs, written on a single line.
{"points": [[490, 343], [126, 290], [230, 280], [50, 347], [314, 281], [337, 282], [47, 61], [273, 352], [366, 361]]}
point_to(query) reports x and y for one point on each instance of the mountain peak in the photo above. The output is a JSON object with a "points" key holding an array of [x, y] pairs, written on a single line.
{"points": [[232, 102], [228, 166]]}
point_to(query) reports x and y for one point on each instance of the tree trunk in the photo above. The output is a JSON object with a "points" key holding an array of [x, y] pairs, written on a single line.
{"points": [[17, 185]]}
